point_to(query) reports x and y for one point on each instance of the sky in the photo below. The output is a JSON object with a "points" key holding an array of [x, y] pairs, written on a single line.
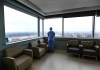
{"points": [[55, 23], [97, 25], [16, 21], [80, 24]]}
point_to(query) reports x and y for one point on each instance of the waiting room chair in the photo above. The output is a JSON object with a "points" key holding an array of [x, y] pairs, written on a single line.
{"points": [[90, 49], [39, 49], [73, 47], [17, 58]]}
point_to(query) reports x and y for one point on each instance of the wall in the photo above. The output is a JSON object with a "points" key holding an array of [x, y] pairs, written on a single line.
{"points": [[2, 32], [60, 42]]}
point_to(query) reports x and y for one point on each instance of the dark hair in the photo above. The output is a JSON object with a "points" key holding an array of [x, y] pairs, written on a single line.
{"points": [[50, 28]]}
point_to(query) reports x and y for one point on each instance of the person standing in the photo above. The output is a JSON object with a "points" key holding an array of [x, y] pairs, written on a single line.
{"points": [[51, 36]]}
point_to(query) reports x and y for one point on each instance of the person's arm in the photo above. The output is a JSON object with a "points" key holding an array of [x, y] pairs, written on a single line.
{"points": [[54, 34], [48, 34]]}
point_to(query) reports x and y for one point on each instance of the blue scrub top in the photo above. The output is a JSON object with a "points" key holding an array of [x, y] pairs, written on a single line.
{"points": [[51, 35]]}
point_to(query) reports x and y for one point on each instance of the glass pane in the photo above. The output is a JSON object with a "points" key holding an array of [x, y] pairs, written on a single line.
{"points": [[97, 27], [18, 25], [78, 27], [41, 27], [56, 24]]}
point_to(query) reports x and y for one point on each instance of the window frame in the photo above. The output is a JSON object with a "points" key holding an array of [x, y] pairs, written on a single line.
{"points": [[24, 13]]}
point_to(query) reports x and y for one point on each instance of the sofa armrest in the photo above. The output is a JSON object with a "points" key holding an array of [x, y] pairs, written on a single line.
{"points": [[97, 50], [81, 49], [42, 45], [10, 63], [36, 52], [96, 46], [35, 49], [67, 46], [81, 46], [28, 52]]}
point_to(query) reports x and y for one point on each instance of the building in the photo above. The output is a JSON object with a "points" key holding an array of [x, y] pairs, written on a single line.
{"points": [[60, 14]]}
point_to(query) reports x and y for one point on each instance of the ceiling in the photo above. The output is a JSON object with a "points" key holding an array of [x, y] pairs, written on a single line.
{"points": [[52, 7]]}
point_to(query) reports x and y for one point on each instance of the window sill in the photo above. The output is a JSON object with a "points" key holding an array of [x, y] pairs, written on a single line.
{"points": [[28, 39]]}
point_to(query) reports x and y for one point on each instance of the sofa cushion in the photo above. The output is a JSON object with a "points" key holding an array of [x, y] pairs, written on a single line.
{"points": [[97, 43], [23, 62], [73, 43], [42, 51], [43, 45], [74, 49], [34, 43], [87, 44], [89, 52], [41, 40], [13, 51]]}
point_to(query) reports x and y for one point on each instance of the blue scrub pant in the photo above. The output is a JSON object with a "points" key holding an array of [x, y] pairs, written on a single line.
{"points": [[50, 46]]}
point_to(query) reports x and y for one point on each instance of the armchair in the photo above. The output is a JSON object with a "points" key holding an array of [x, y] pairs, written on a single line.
{"points": [[17, 58], [73, 47], [39, 49], [90, 49], [42, 44]]}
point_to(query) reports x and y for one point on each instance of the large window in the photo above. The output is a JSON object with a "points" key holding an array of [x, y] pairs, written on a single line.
{"points": [[18, 25], [78, 27], [97, 27], [55, 23]]}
